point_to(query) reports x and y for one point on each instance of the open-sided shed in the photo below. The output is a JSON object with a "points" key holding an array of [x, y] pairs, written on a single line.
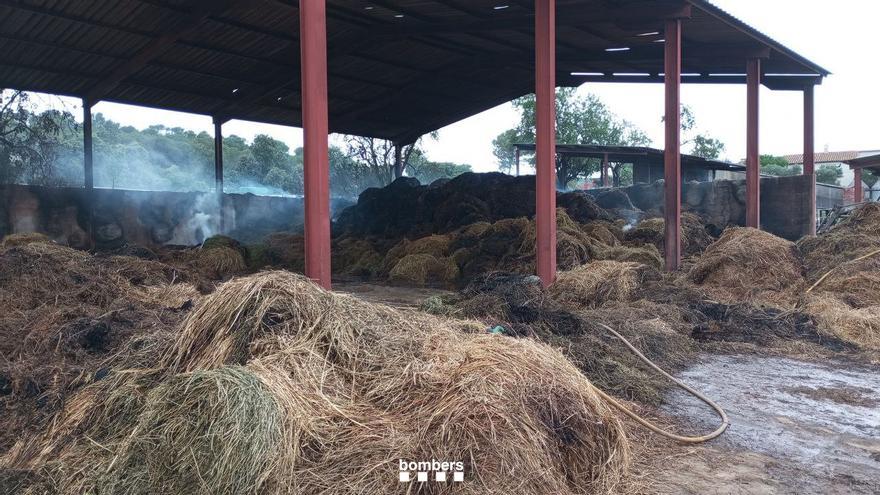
{"points": [[393, 69], [871, 163]]}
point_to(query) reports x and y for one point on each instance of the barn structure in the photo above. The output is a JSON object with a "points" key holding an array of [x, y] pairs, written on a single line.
{"points": [[647, 163], [393, 69], [857, 165]]}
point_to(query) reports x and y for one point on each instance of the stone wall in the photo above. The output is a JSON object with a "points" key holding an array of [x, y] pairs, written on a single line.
{"points": [[142, 217], [785, 205]]}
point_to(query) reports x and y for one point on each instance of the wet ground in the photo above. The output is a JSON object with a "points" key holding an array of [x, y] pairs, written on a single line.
{"points": [[796, 428]]}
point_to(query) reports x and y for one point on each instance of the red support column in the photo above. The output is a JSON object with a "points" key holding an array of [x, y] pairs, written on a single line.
{"points": [[809, 152], [545, 154], [858, 193], [605, 170], [313, 47], [753, 164], [672, 162]]}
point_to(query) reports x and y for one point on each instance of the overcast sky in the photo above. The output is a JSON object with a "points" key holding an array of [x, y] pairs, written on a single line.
{"points": [[840, 36]]}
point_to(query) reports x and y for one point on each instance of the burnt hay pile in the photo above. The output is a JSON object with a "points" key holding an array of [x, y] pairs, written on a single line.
{"points": [[274, 385], [63, 312]]}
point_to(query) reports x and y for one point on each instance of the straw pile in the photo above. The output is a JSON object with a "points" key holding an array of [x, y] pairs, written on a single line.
{"points": [[521, 306], [747, 264], [276, 386], [285, 250], [845, 301], [356, 257], [694, 238], [12, 240], [598, 283], [63, 311]]}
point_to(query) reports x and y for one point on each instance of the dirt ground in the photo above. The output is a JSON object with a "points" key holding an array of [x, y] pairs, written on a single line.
{"points": [[796, 428]]}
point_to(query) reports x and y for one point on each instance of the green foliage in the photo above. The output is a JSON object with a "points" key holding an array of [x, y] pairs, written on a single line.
{"points": [[427, 171], [579, 120], [869, 178], [702, 145], [778, 166], [707, 147], [829, 174]]}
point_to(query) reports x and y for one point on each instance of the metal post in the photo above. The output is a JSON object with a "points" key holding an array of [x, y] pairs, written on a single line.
{"points": [[753, 165], [316, 171], [605, 170], [88, 147], [516, 150], [858, 193], [218, 170], [89, 166], [809, 152], [672, 157], [545, 106]]}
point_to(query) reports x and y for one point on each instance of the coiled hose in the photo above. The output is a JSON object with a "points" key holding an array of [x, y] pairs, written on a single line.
{"points": [[647, 424]]}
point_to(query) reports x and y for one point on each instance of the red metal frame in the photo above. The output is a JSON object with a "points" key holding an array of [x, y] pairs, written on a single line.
{"points": [[545, 139], [313, 48], [672, 166], [753, 164], [858, 193], [809, 151]]}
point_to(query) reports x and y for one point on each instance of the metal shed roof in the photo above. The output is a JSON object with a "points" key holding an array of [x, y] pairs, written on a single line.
{"points": [[627, 153], [397, 68]]}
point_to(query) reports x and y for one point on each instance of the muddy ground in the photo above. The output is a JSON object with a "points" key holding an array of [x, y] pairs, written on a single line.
{"points": [[797, 427]]}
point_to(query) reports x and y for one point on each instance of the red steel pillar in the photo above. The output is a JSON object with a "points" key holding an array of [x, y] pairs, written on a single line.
{"points": [[316, 171], [545, 153], [605, 170], [809, 151], [858, 193], [672, 159], [753, 159]]}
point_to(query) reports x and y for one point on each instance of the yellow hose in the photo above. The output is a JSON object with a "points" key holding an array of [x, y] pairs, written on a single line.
{"points": [[647, 424]]}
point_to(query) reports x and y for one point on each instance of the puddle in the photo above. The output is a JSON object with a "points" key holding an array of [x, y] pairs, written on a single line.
{"points": [[818, 420]]}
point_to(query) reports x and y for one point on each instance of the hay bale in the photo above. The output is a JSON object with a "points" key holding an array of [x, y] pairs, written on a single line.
{"points": [[747, 264], [12, 240], [219, 263], [357, 257], [424, 269], [694, 238], [837, 319], [605, 232], [220, 241], [646, 255], [209, 431], [286, 250], [313, 392], [597, 283]]}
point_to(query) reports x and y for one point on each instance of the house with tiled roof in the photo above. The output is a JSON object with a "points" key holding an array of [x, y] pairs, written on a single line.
{"points": [[836, 158]]}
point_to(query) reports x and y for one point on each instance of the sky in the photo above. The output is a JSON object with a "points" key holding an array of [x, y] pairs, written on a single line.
{"points": [[839, 35]]}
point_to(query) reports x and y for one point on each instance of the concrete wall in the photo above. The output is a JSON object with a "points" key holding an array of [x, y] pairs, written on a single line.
{"points": [[142, 217], [784, 203]]}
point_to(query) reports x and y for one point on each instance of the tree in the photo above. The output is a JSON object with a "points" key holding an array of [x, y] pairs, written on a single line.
{"points": [[427, 171], [384, 160], [778, 166], [31, 144], [702, 145], [869, 177], [579, 120], [502, 148], [829, 174]]}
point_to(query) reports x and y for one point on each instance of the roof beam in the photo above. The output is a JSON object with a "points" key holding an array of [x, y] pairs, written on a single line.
{"points": [[187, 24]]}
